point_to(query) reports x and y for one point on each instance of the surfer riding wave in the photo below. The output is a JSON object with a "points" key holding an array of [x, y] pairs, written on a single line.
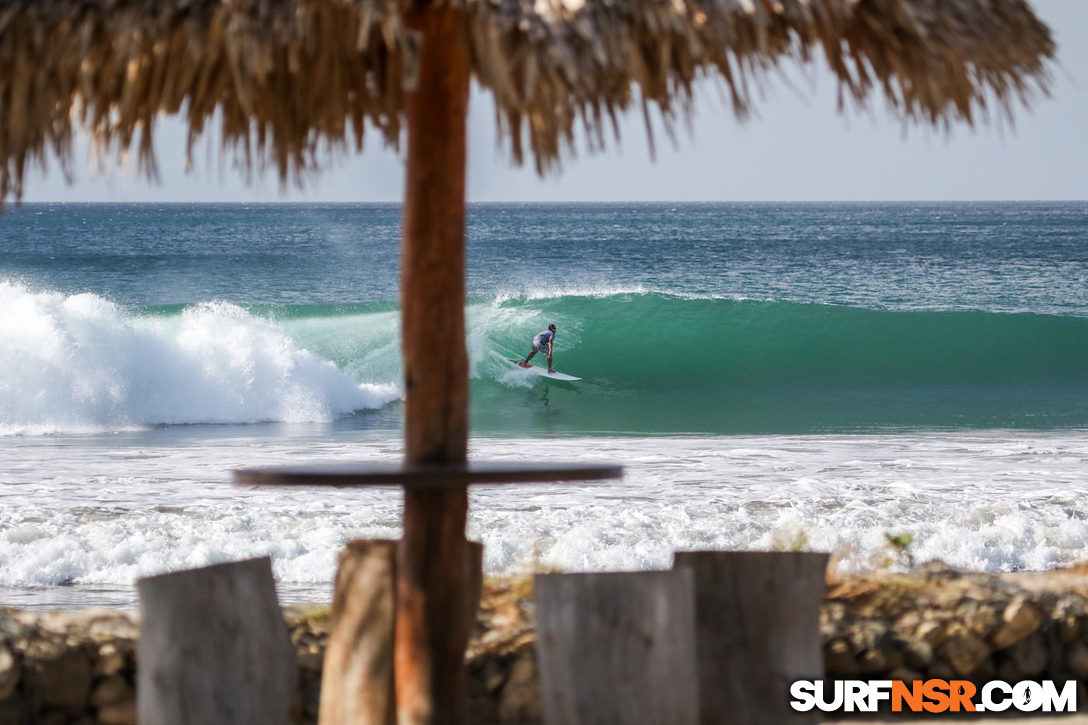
{"points": [[543, 342]]}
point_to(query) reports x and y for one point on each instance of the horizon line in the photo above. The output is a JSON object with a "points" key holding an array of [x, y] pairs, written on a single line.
{"points": [[287, 202]]}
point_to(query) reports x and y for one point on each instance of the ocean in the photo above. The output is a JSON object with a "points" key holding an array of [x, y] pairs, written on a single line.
{"points": [[772, 376]]}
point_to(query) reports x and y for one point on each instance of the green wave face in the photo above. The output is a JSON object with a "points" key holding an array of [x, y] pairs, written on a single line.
{"points": [[656, 363]]}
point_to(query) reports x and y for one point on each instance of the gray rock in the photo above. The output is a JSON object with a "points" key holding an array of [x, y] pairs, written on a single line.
{"points": [[839, 659], [99, 624], [44, 648], [1068, 629], [978, 593], [311, 661], [873, 661], [964, 652], [111, 660], [494, 675], [831, 613], [520, 701], [917, 654], [942, 670], [52, 717], [121, 713], [62, 681], [954, 628], [867, 634], [1029, 656], [111, 691], [905, 674], [14, 712], [1019, 619], [932, 632], [908, 623], [108, 626], [986, 671], [1007, 671], [10, 673], [979, 618], [1076, 660]]}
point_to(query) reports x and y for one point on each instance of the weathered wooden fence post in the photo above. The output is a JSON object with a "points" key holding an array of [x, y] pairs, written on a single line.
{"points": [[357, 676], [214, 648], [357, 681], [617, 648], [757, 617]]}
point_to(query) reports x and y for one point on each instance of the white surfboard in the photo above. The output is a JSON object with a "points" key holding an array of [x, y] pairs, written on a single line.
{"points": [[543, 372]]}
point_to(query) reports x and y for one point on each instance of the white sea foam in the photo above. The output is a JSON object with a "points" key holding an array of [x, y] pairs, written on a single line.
{"points": [[557, 291], [598, 291], [100, 511], [79, 363]]}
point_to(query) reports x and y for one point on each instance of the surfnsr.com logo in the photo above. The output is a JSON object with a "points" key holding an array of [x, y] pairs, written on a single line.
{"points": [[933, 696]]}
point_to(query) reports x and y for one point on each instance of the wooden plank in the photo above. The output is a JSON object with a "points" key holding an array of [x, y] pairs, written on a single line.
{"points": [[456, 475], [357, 676], [757, 614], [357, 682], [617, 648], [214, 648]]}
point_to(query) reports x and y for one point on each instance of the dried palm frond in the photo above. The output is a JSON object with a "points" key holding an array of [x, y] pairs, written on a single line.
{"points": [[285, 76]]}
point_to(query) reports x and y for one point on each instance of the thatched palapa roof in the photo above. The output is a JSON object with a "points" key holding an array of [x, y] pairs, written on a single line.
{"points": [[287, 75]]}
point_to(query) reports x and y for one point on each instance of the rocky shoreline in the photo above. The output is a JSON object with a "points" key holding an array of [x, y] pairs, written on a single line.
{"points": [[80, 667]]}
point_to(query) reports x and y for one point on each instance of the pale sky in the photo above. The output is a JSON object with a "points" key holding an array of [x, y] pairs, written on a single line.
{"points": [[795, 148]]}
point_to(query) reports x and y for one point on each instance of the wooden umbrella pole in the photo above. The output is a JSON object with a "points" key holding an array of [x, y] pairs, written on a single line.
{"points": [[432, 575]]}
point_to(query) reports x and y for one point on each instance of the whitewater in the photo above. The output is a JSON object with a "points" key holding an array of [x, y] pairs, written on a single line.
{"points": [[83, 517], [78, 364], [771, 376]]}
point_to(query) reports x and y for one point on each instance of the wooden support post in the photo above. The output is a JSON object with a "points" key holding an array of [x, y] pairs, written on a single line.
{"points": [[214, 648], [357, 676], [431, 631], [757, 614], [432, 617], [617, 648], [357, 685], [433, 249]]}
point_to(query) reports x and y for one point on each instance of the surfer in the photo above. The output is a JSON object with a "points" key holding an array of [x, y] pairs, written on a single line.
{"points": [[542, 342]]}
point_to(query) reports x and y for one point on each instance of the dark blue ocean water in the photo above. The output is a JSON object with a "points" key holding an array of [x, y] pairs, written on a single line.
{"points": [[985, 256], [702, 318]]}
